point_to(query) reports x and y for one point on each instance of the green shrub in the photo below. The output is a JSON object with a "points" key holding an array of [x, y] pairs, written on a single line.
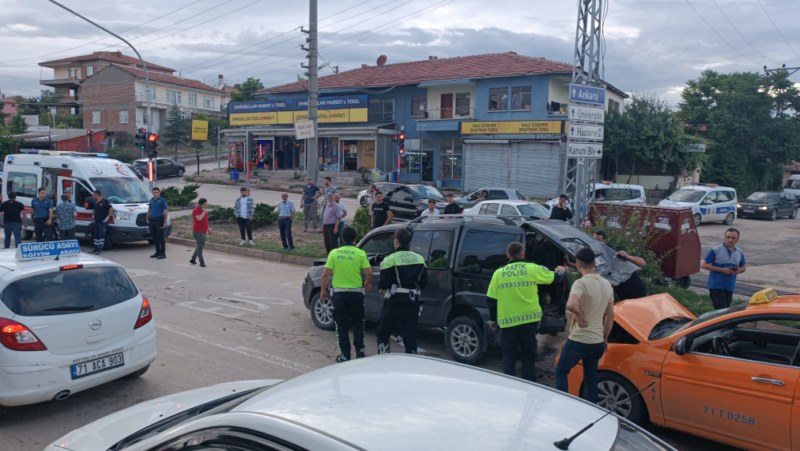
{"points": [[361, 223], [218, 214], [180, 198], [264, 215]]}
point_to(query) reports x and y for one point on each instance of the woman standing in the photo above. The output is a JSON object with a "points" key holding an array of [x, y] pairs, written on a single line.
{"points": [[199, 230]]}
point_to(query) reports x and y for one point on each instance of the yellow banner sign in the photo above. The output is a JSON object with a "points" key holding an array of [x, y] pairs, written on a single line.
{"points": [[266, 118], [511, 127], [343, 115], [199, 130]]}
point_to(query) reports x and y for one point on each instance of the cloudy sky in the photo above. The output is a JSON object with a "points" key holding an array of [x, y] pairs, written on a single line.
{"points": [[652, 46]]}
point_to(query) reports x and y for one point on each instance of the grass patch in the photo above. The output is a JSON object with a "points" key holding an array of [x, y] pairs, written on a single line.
{"points": [[307, 250]]}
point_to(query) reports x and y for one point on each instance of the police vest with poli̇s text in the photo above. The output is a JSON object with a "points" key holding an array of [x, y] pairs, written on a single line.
{"points": [[409, 271], [347, 262], [515, 286]]}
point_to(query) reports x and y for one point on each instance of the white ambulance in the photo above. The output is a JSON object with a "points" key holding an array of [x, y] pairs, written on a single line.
{"points": [[57, 171]]}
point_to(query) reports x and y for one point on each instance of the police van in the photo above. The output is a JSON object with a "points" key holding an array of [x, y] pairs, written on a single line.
{"points": [[83, 173], [709, 202]]}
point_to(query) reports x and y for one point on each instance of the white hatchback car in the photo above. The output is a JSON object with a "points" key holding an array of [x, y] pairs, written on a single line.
{"points": [[614, 192], [523, 208], [708, 202], [68, 324], [383, 402]]}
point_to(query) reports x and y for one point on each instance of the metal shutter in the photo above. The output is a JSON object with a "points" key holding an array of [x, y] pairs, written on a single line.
{"points": [[534, 169]]}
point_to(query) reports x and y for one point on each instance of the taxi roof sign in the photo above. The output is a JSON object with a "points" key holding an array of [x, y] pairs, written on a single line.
{"points": [[764, 296], [48, 250]]}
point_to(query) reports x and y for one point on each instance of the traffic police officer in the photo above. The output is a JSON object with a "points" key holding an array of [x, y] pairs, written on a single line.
{"points": [[346, 263], [514, 306], [403, 275]]}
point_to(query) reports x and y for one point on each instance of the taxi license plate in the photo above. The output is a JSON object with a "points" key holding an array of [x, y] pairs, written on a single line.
{"points": [[97, 365]]}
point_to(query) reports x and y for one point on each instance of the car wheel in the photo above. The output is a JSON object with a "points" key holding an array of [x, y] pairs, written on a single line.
{"points": [[615, 393], [322, 312], [363, 201], [729, 219], [464, 340], [793, 214], [179, 172], [697, 219], [138, 373], [773, 215], [684, 282]]}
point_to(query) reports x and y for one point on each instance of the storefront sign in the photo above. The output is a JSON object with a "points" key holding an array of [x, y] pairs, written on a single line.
{"points": [[333, 109], [199, 130], [511, 127]]}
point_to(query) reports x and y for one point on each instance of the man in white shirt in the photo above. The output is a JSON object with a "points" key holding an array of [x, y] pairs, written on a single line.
{"points": [[431, 211]]}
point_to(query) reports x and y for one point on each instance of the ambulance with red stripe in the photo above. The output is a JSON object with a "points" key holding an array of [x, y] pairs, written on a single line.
{"points": [[83, 173]]}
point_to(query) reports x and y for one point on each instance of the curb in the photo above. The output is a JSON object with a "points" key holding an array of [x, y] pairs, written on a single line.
{"points": [[248, 252]]}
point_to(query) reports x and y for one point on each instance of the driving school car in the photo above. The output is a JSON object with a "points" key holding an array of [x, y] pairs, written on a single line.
{"points": [[68, 322], [729, 375]]}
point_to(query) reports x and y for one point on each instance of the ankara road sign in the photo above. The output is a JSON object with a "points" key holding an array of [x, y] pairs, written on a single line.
{"points": [[587, 94], [587, 114], [585, 150]]}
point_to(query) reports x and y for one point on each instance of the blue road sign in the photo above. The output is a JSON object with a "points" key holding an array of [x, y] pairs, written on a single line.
{"points": [[587, 94], [48, 250]]}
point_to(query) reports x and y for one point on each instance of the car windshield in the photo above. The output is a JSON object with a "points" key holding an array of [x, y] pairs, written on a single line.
{"points": [[534, 210], [428, 192], [686, 195], [122, 190], [666, 327], [793, 184], [762, 197]]}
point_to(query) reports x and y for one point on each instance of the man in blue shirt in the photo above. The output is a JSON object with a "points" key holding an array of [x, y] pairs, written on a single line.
{"points": [[724, 262], [286, 213], [311, 193], [42, 215], [157, 216]]}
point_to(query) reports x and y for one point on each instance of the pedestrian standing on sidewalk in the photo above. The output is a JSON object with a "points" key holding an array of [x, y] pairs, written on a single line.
{"points": [[14, 219], [102, 214], [379, 214], [561, 211], [156, 217], [342, 223], [452, 207], [243, 209], [591, 309], [330, 224], [286, 212], [66, 212], [328, 188], [347, 264], [42, 215], [310, 194], [724, 262], [200, 230], [431, 211]]}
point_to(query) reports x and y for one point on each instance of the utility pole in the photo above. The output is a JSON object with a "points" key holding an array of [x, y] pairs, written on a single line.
{"points": [[312, 150], [586, 92], [789, 70]]}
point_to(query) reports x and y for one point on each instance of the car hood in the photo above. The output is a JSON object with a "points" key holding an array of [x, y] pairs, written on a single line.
{"points": [[750, 203], [640, 316], [107, 431]]}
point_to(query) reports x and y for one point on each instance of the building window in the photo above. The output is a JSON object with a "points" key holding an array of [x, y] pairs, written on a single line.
{"points": [[613, 106], [557, 108], [521, 98], [192, 99], [73, 72], [208, 103], [72, 92], [89, 71], [498, 99], [173, 96], [462, 104], [123, 117], [95, 117], [381, 110], [419, 106], [450, 159]]}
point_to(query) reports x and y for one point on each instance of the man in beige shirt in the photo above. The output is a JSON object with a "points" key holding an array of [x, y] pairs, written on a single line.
{"points": [[591, 304]]}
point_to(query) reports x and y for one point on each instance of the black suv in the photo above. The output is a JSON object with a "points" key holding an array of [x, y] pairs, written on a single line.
{"points": [[462, 253]]}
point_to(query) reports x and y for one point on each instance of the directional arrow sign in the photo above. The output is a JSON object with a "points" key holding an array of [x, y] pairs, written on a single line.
{"points": [[586, 113], [585, 150], [585, 132], [587, 94]]}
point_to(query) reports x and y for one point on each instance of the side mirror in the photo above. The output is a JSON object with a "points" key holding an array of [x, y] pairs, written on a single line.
{"points": [[681, 346]]}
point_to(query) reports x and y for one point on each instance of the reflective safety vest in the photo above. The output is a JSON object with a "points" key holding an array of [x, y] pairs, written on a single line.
{"points": [[516, 288]]}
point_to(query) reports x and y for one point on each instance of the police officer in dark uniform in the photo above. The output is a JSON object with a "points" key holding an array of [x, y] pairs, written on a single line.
{"points": [[403, 275]]}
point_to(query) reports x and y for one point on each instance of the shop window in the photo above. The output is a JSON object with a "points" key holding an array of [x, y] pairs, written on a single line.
{"points": [[498, 99], [450, 159], [521, 98], [381, 110], [419, 106], [483, 252], [462, 104]]}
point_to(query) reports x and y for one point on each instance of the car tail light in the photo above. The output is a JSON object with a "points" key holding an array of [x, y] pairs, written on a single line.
{"points": [[145, 314], [18, 337]]}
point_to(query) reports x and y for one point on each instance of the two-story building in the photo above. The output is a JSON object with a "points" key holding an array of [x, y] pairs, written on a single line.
{"points": [[483, 120], [9, 109]]}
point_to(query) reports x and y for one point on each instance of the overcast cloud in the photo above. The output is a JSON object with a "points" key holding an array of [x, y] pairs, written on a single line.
{"points": [[652, 46]]}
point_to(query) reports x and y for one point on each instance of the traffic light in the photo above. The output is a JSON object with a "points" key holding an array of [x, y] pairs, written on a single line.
{"points": [[89, 133], [152, 145], [141, 138], [401, 143]]}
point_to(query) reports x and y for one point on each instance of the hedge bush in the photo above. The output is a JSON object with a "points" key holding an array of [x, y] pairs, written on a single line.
{"points": [[264, 215], [180, 198]]}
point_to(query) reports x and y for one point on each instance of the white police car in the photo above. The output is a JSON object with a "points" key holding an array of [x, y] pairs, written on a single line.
{"points": [[68, 322], [709, 202]]}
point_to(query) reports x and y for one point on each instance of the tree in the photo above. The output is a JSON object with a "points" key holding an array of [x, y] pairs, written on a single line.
{"points": [[246, 91], [17, 125], [176, 132], [646, 138], [751, 122]]}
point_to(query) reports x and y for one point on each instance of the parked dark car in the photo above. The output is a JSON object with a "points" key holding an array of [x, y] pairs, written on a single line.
{"points": [[165, 167], [768, 204], [470, 199], [461, 255], [408, 201]]}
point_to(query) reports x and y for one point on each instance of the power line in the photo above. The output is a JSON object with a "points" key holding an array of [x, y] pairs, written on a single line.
{"points": [[738, 32], [778, 29], [719, 35]]}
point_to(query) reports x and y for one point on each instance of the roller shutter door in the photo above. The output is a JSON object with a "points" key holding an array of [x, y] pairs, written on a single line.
{"points": [[535, 169]]}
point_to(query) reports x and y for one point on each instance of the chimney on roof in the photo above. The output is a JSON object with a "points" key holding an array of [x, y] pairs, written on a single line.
{"points": [[382, 60], [364, 66], [430, 57], [220, 81], [118, 52]]}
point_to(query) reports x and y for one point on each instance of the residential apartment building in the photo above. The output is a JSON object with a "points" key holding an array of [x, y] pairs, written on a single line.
{"points": [[9, 108], [482, 120]]}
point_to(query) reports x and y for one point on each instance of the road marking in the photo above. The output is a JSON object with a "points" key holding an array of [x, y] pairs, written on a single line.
{"points": [[238, 301], [243, 350]]}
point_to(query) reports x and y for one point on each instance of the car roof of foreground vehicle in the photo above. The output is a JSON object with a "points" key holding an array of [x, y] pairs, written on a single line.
{"points": [[413, 402], [9, 262]]}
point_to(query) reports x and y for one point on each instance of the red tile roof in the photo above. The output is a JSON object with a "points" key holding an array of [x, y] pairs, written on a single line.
{"points": [[490, 65], [164, 78], [111, 57]]}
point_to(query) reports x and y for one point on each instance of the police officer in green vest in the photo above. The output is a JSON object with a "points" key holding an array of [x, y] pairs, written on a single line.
{"points": [[403, 276], [514, 306], [346, 263]]}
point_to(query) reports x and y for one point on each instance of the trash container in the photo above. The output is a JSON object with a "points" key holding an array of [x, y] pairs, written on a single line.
{"points": [[235, 175], [673, 235], [393, 176]]}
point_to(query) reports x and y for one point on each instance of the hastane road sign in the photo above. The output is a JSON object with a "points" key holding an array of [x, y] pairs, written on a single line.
{"points": [[586, 113], [585, 132], [587, 94], [585, 150]]}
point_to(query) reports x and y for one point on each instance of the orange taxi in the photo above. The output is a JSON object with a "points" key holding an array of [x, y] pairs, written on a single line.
{"points": [[730, 375]]}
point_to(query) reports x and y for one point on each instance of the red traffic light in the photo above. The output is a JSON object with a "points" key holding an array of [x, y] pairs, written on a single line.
{"points": [[402, 150], [89, 132], [152, 137], [401, 136]]}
